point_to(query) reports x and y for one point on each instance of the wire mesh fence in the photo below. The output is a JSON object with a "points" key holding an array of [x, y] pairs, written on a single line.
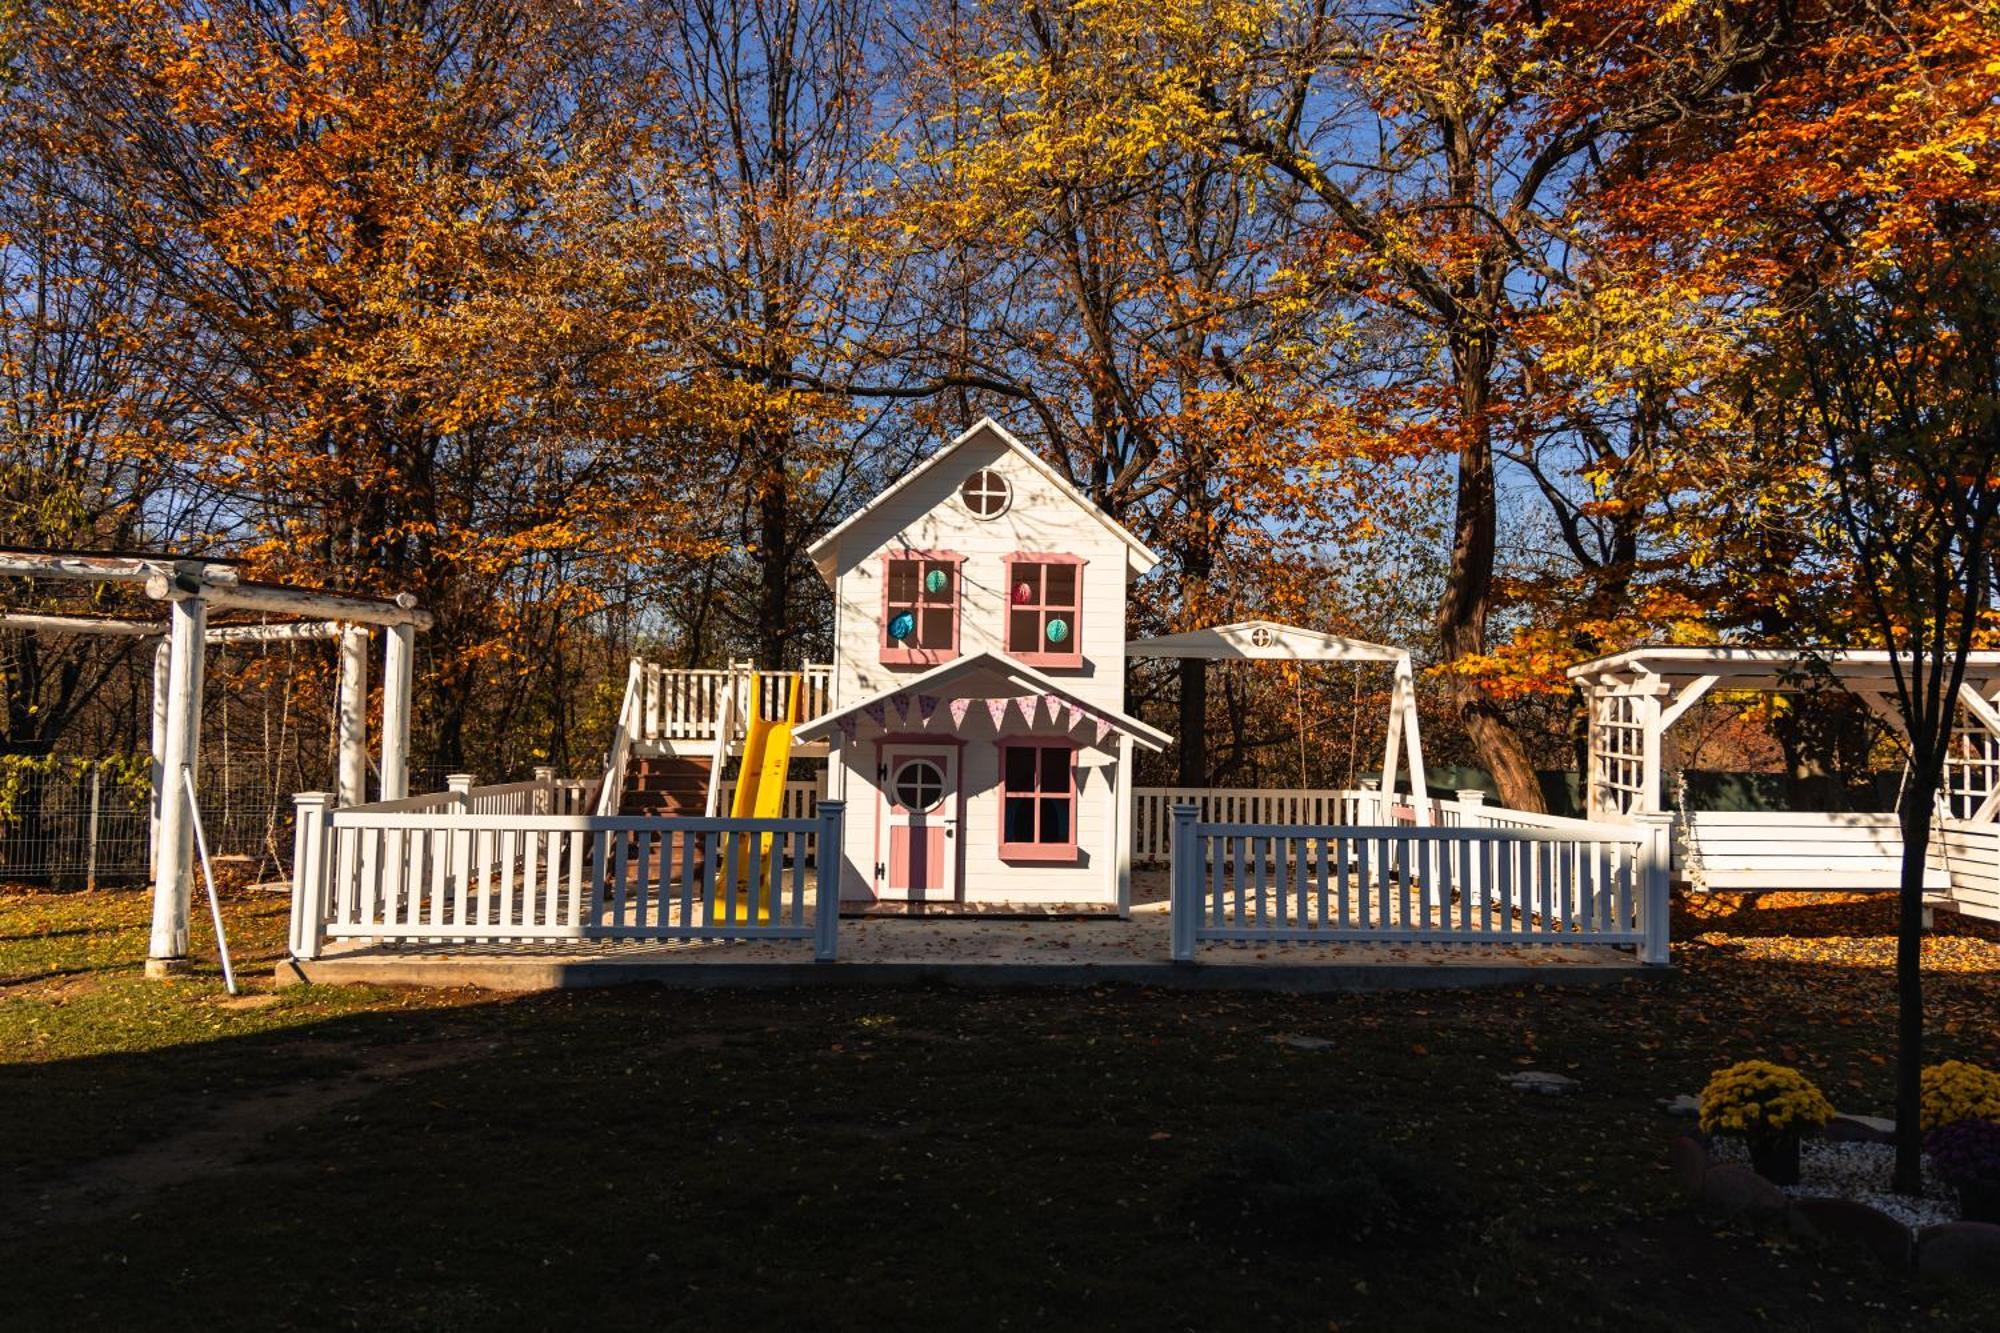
{"points": [[89, 825]]}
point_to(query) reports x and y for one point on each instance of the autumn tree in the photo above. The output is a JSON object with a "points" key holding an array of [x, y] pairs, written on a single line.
{"points": [[397, 274]]}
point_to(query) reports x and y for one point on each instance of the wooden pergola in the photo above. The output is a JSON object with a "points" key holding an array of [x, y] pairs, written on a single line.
{"points": [[190, 589], [1636, 695], [1269, 641]]}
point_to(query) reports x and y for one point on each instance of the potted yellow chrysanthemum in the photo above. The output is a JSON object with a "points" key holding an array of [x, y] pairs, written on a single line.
{"points": [[1770, 1107]]}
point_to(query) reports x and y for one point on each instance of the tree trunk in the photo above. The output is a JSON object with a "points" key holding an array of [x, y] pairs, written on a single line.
{"points": [[1194, 722], [774, 576], [1468, 592], [1908, 1177]]}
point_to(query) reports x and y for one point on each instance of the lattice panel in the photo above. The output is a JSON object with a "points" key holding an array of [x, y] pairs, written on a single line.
{"points": [[1617, 755], [1972, 768]]}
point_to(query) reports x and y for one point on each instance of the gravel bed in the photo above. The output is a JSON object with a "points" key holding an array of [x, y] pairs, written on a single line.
{"points": [[1858, 1172]]}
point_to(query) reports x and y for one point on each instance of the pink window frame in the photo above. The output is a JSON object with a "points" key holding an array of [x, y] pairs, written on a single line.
{"points": [[1047, 852], [890, 655], [1037, 656]]}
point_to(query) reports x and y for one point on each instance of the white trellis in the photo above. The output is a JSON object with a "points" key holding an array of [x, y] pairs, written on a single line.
{"points": [[190, 589]]}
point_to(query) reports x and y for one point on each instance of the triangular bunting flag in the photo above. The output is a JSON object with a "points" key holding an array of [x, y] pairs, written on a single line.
{"points": [[874, 712], [902, 702], [1027, 706], [848, 726], [959, 708], [926, 705], [1103, 730], [997, 710], [1075, 716]]}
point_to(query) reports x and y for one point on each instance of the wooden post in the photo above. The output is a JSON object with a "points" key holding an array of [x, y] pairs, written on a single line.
{"points": [[1121, 824], [96, 793], [830, 866], [1473, 816], [1655, 869], [1184, 883], [351, 715], [309, 872], [399, 646], [172, 871], [163, 657]]}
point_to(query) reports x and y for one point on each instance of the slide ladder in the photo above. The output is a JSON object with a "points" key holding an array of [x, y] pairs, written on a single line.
{"points": [[760, 794]]}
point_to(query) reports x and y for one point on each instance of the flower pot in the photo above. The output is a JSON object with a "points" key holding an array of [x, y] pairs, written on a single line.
{"points": [[1776, 1158], [1979, 1203]]}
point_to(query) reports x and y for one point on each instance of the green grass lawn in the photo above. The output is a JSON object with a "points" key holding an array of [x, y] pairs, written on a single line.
{"points": [[924, 1159]]}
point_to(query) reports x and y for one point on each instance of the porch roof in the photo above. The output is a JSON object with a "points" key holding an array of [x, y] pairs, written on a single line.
{"points": [[1007, 670]]}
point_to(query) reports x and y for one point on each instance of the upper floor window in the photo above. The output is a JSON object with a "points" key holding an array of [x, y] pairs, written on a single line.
{"points": [[986, 494], [920, 607], [1045, 608]]}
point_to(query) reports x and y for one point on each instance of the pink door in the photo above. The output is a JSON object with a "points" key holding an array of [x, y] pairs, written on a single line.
{"points": [[920, 802]]}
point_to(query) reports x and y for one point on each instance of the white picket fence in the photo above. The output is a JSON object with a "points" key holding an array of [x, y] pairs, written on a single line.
{"points": [[1473, 876], [459, 876]]}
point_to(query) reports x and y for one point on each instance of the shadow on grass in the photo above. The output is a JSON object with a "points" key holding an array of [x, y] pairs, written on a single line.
{"points": [[920, 1158]]}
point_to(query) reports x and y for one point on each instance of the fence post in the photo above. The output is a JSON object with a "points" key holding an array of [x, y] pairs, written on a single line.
{"points": [[460, 786], [545, 790], [309, 873], [1655, 870], [90, 864], [1184, 880], [1471, 815], [829, 863]]}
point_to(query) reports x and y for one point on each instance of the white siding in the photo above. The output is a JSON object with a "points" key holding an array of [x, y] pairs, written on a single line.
{"points": [[983, 878], [927, 516]]}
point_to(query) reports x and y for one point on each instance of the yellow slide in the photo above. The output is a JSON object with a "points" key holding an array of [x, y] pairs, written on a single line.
{"points": [[760, 794]]}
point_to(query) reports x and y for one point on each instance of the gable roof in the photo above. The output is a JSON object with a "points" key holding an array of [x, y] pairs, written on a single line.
{"points": [[1015, 673], [1264, 640], [822, 551]]}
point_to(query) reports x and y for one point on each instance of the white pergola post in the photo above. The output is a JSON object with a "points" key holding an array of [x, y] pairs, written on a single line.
{"points": [[1120, 819], [399, 646], [351, 715], [162, 666], [173, 849]]}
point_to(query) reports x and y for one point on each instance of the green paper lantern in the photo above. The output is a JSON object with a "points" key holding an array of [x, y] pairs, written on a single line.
{"points": [[902, 626], [936, 581], [1058, 631]]}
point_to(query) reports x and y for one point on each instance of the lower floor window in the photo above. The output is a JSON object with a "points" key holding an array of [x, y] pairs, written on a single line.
{"points": [[1037, 800]]}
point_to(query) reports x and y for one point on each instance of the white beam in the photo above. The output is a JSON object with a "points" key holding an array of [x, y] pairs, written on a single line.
{"points": [[1406, 686], [1689, 696], [351, 715], [1984, 712], [25, 620], [284, 633], [399, 643], [163, 656], [272, 599], [172, 866]]}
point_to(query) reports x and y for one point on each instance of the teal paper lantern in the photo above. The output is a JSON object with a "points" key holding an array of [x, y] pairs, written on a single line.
{"points": [[903, 626], [935, 581], [1058, 631]]}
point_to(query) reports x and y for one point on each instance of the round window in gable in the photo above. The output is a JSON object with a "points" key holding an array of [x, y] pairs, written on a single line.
{"points": [[986, 494]]}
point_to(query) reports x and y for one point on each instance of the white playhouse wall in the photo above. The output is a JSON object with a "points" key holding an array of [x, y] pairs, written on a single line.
{"points": [[985, 879], [926, 515]]}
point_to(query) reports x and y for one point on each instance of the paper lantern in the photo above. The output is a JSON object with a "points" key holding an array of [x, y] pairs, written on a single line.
{"points": [[1023, 594], [1058, 630], [936, 581], [902, 626]]}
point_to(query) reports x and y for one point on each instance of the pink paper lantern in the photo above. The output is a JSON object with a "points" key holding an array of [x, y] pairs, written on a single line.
{"points": [[1023, 594]]}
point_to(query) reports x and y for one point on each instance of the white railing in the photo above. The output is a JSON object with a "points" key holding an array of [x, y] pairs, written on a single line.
{"points": [[1153, 821], [432, 876], [1476, 882], [687, 703], [800, 801], [611, 788], [544, 794]]}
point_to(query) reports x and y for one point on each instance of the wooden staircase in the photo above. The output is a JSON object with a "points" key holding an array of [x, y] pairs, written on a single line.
{"points": [[669, 786]]}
